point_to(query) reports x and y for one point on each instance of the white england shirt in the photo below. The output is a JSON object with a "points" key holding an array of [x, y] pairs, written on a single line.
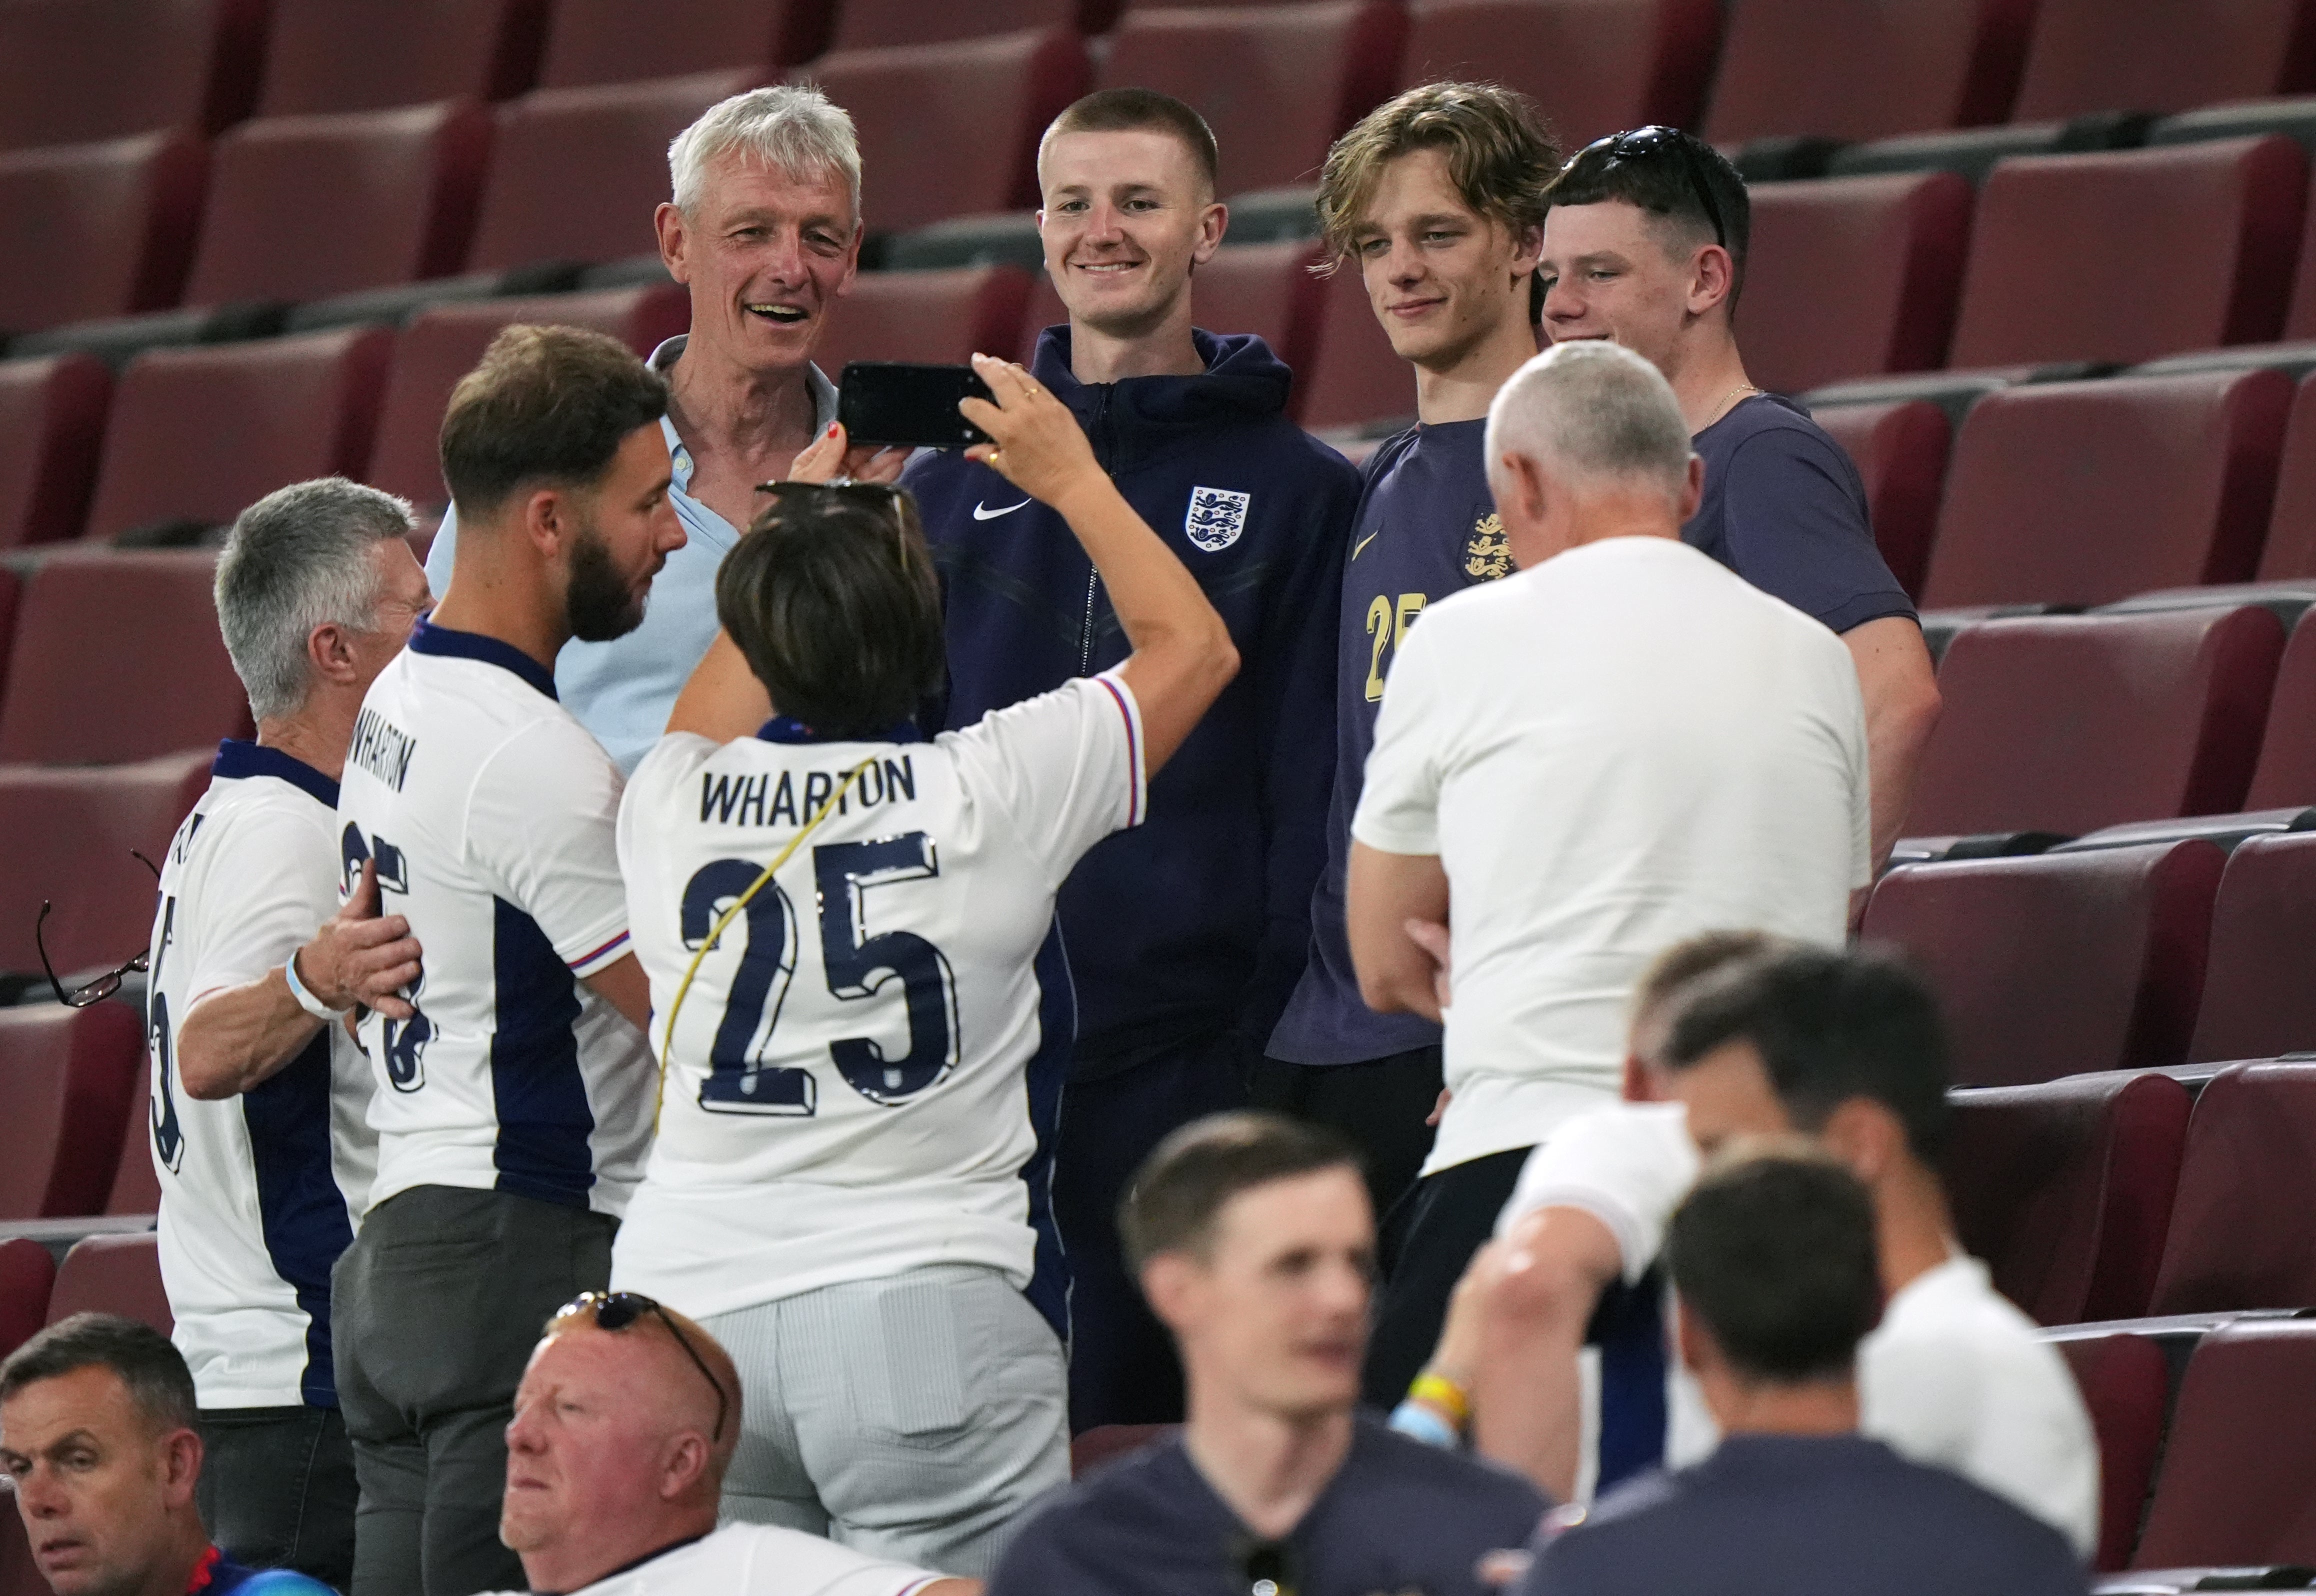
{"points": [[759, 1560], [259, 1193], [868, 1067], [490, 810]]}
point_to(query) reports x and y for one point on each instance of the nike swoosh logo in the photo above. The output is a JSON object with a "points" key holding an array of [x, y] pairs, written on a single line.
{"points": [[982, 512], [1363, 542]]}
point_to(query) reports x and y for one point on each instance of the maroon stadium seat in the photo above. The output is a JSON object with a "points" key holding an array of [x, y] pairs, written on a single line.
{"points": [[2258, 1000], [2248, 1176], [19, 1575], [201, 433], [2060, 266], [76, 70], [1355, 378], [2086, 56], [2287, 772], [1865, 69], [65, 1078], [1900, 449], [1277, 84], [592, 41], [576, 174], [442, 342], [941, 316], [402, 185], [2064, 1188], [1852, 276], [365, 55], [2290, 551], [2084, 493], [1267, 289], [112, 1274], [1093, 1448], [135, 1184], [85, 822], [2068, 723], [115, 233], [878, 24], [2239, 1479], [27, 1273], [952, 130], [1595, 69], [2125, 1382], [52, 418], [165, 683], [2057, 964]]}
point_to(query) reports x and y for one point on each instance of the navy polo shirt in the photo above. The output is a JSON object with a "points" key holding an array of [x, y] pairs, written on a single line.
{"points": [[1788, 1515], [1398, 1515]]}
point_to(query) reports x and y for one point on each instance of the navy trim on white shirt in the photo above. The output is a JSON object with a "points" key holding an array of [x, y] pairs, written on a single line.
{"points": [[426, 637], [237, 761], [788, 729]]}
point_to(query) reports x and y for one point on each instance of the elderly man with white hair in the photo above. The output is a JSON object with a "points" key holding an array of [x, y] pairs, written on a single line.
{"points": [[764, 229], [1621, 746]]}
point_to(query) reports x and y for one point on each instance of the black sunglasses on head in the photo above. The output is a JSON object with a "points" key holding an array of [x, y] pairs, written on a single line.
{"points": [[616, 1310], [1644, 142], [885, 497]]}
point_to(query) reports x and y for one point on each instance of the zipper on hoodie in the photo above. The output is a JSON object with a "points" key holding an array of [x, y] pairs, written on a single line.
{"points": [[1097, 434]]}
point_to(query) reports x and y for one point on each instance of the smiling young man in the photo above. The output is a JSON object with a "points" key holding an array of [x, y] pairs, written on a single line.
{"points": [[1184, 937], [1645, 244], [1438, 199], [764, 229]]}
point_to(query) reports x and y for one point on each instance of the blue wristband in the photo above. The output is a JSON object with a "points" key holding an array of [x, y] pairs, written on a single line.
{"points": [[1415, 1420], [306, 1000]]}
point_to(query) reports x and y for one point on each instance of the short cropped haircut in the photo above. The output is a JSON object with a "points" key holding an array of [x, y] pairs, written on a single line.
{"points": [[1500, 157], [1662, 180], [1671, 973], [142, 1358], [1138, 110], [836, 607], [1774, 1253], [549, 406], [1175, 1197], [298, 558], [1596, 412], [797, 131], [1828, 1026]]}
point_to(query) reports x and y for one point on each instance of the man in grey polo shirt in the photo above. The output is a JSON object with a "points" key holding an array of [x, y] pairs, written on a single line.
{"points": [[764, 229]]}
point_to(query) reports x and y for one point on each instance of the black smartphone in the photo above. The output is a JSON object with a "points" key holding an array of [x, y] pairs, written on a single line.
{"points": [[895, 402]]}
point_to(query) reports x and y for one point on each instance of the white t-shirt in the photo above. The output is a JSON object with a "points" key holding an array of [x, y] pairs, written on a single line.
{"points": [[1955, 1376], [868, 1067], [261, 1192], [759, 1560], [490, 811], [1621, 748]]}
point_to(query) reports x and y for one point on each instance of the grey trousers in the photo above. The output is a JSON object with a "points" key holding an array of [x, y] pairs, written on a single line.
{"points": [[434, 1311], [277, 1489], [910, 1418]]}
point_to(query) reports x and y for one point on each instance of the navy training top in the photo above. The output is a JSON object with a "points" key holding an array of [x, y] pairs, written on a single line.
{"points": [[1398, 1515], [1789, 1515]]}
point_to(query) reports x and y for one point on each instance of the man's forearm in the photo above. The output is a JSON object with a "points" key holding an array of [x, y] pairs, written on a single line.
{"points": [[241, 1037], [1900, 690]]}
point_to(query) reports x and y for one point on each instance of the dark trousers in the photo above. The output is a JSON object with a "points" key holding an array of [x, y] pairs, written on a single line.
{"points": [[1381, 1106], [277, 1489], [434, 1311], [1427, 1240], [1123, 1369]]}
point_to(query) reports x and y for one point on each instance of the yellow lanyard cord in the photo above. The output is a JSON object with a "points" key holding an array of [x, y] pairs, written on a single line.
{"points": [[715, 932]]}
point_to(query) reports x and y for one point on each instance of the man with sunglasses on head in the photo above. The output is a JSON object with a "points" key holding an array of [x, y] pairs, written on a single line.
{"points": [[257, 1131], [862, 1014], [1645, 244], [624, 1426]]}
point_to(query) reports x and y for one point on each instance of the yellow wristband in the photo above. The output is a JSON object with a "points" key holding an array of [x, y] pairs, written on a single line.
{"points": [[1437, 1390]]}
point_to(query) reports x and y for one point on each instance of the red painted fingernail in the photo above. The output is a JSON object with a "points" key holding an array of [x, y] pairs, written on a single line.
{"points": [[832, 429]]}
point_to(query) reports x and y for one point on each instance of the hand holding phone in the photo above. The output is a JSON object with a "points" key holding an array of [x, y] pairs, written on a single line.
{"points": [[1035, 442], [895, 402]]}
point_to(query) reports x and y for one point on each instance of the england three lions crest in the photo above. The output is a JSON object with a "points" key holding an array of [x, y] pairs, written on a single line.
{"points": [[1216, 518]]}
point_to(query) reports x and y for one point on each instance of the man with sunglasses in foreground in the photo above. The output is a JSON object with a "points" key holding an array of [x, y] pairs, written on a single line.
{"points": [[1645, 244], [861, 1012], [1255, 1242], [624, 1426]]}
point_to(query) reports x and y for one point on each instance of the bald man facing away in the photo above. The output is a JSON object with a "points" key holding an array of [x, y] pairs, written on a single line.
{"points": [[623, 1424]]}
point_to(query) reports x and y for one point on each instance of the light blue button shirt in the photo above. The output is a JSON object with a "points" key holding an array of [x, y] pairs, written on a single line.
{"points": [[623, 690]]}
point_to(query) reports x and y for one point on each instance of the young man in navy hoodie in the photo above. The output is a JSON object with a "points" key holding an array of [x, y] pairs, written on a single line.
{"points": [[1185, 936]]}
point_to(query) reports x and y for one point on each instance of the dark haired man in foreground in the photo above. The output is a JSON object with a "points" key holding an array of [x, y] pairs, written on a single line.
{"points": [[1185, 935], [99, 1446], [1775, 1270], [851, 1181], [514, 1087], [1255, 1241]]}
